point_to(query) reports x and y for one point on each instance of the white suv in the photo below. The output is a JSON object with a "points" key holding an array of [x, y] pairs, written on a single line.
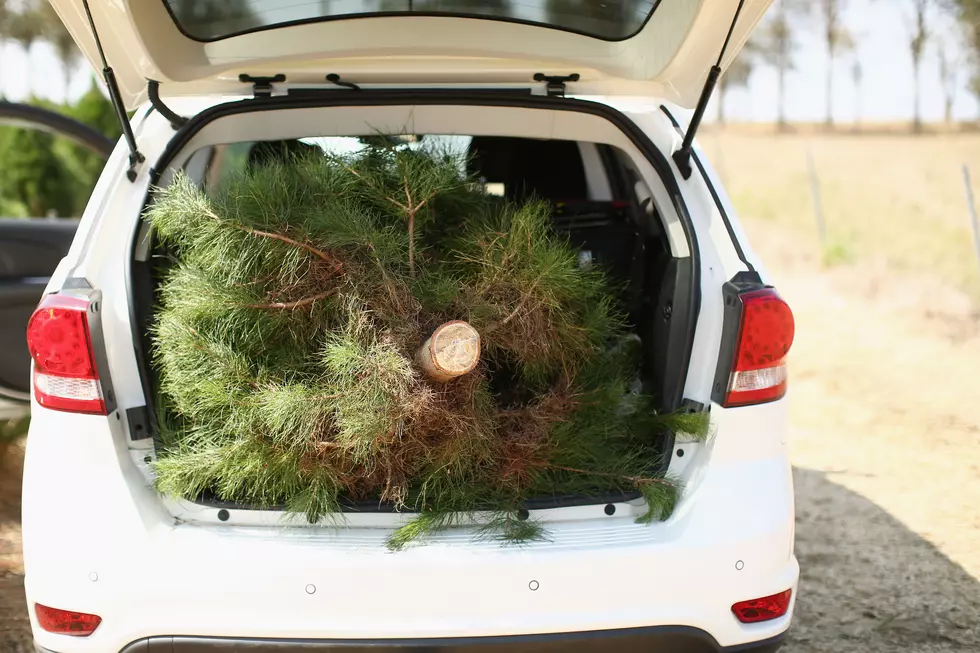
{"points": [[574, 100]]}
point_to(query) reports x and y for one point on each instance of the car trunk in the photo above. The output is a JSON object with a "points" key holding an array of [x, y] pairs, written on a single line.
{"points": [[363, 54], [600, 204]]}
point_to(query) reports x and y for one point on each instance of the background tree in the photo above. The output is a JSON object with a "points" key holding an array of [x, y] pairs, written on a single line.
{"points": [[613, 19], [32, 176], [4, 19], [775, 44], [42, 174], [917, 46], [968, 13], [213, 19], [54, 32], [29, 21], [491, 7], [857, 76], [838, 40], [736, 76], [24, 26], [949, 78]]}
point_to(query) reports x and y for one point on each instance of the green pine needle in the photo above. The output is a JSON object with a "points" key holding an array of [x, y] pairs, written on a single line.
{"points": [[293, 300], [421, 526], [507, 528], [660, 498], [688, 427]]}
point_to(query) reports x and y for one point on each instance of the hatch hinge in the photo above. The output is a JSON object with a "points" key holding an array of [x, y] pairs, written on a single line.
{"points": [[261, 86], [135, 157], [555, 84]]}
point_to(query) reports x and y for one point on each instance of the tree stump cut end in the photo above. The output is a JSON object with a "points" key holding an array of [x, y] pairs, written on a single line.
{"points": [[451, 351]]}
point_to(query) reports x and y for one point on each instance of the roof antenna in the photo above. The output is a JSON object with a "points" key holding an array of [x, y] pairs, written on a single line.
{"points": [[682, 157], [135, 158]]}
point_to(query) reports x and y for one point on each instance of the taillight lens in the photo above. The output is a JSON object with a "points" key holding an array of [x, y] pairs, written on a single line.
{"points": [[765, 334], [764, 609], [66, 622], [65, 374]]}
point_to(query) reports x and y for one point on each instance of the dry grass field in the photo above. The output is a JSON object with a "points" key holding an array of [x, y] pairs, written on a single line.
{"points": [[884, 402], [894, 200]]}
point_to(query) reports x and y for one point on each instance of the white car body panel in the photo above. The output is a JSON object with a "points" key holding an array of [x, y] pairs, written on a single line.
{"points": [[98, 538], [155, 575], [669, 57]]}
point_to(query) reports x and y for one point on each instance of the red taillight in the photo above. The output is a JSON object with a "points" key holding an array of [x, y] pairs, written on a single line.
{"points": [[65, 374], [764, 609], [765, 334], [66, 622]]}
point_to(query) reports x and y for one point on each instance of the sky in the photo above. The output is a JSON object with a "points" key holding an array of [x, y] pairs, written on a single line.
{"points": [[881, 27], [882, 30]]}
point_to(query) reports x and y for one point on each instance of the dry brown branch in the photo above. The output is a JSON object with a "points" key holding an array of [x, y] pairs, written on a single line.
{"points": [[521, 303], [333, 261], [637, 480], [329, 258], [298, 303]]}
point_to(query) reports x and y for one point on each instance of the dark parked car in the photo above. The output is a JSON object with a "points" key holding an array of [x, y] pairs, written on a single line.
{"points": [[30, 250]]}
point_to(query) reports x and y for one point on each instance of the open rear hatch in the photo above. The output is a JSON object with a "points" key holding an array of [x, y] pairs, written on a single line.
{"points": [[662, 49], [659, 48]]}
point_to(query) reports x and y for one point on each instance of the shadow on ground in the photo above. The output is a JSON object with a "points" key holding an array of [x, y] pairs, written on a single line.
{"points": [[869, 584], [15, 628]]}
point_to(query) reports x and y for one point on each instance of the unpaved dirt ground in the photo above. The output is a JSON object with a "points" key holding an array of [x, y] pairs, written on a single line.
{"points": [[885, 409], [14, 625]]}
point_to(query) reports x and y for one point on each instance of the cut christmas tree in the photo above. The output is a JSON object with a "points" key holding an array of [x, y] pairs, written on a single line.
{"points": [[376, 329]]}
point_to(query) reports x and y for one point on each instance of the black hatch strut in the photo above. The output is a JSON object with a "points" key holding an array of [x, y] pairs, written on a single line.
{"points": [[135, 158], [682, 157]]}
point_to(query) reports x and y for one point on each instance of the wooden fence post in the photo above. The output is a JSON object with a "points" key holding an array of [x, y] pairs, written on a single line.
{"points": [[972, 208], [817, 203]]}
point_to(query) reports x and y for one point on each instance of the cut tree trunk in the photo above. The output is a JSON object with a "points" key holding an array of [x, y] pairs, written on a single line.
{"points": [[452, 350]]}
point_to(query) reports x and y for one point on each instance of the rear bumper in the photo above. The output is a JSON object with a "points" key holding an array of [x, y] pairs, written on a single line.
{"points": [[660, 639], [151, 577]]}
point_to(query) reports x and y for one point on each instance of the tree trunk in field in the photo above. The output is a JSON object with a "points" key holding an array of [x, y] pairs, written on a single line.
{"points": [[452, 350], [830, 89], [781, 97], [916, 111], [947, 74]]}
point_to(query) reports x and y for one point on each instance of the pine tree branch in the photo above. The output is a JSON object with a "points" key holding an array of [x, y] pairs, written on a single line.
{"points": [[330, 259], [517, 309], [408, 193], [638, 480], [521, 303], [411, 243], [296, 304]]}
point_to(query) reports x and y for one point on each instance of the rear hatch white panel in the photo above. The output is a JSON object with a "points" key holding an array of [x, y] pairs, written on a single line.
{"points": [[668, 57]]}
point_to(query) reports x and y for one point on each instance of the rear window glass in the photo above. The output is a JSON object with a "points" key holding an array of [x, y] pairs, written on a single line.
{"points": [[209, 20]]}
